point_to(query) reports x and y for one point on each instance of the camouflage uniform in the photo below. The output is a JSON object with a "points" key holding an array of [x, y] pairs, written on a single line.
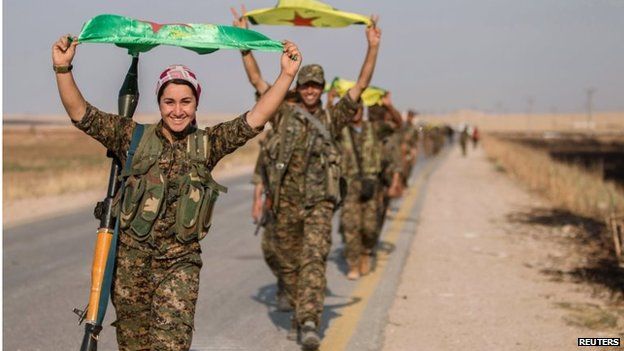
{"points": [[438, 141], [391, 161], [304, 176], [358, 220], [410, 141], [463, 140], [267, 242], [428, 140], [157, 270]]}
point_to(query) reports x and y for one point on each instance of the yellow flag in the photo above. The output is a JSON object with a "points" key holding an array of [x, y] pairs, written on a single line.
{"points": [[307, 13], [370, 96]]}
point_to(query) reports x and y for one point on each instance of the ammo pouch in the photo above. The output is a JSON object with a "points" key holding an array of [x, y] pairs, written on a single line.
{"points": [[145, 190], [335, 184], [198, 194], [365, 167], [368, 188], [143, 198]]}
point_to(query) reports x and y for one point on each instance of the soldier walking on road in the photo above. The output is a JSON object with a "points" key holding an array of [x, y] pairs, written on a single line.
{"points": [[169, 195], [463, 140], [387, 121], [262, 213], [262, 216], [361, 160], [410, 145], [476, 136], [304, 177]]}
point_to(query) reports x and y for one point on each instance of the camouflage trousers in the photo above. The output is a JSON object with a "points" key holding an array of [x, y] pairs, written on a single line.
{"points": [[359, 224], [408, 167], [270, 256], [302, 240], [155, 300], [383, 202]]}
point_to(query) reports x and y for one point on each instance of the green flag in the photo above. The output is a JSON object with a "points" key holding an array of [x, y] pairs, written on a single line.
{"points": [[370, 96], [310, 13], [141, 36]]}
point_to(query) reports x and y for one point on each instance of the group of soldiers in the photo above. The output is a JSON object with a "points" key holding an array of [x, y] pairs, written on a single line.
{"points": [[315, 160]]}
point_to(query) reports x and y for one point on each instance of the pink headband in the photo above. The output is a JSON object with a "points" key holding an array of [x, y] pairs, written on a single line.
{"points": [[178, 72]]}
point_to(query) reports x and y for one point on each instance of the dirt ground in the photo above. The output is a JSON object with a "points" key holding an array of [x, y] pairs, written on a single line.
{"points": [[495, 267]]}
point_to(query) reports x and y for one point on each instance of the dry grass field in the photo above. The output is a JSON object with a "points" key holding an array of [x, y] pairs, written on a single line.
{"points": [[54, 160], [50, 161], [600, 122], [569, 187]]}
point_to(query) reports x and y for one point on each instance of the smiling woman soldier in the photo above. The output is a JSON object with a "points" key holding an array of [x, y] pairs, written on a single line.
{"points": [[169, 195]]}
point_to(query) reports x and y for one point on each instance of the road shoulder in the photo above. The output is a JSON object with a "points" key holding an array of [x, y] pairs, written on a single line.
{"points": [[470, 281]]}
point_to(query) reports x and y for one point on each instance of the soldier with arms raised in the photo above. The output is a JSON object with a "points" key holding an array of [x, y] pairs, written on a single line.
{"points": [[169, 195], [304, 179]]}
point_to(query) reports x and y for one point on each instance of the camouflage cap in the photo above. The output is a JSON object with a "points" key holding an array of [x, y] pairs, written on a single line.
{"points": [[311, 73]]}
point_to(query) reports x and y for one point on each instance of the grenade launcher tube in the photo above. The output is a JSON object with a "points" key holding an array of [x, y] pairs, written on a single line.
{"points": [[106, 240]]}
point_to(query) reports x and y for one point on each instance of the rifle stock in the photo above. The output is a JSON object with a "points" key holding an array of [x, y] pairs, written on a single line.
{"points": [[267, 206]]}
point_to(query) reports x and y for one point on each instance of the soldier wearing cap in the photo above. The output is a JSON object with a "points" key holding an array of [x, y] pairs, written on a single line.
{"points": [[361, 164], [304, 178], [169, 195]]}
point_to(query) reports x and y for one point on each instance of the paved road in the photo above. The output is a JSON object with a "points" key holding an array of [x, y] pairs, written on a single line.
{"points": [[47, 273]]}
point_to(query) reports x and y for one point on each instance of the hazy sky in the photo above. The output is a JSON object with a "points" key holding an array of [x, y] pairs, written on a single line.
{"points": [[436, 55]]}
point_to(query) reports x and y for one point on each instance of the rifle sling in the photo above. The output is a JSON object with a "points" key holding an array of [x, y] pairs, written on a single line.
{"points": [[315, 122]]}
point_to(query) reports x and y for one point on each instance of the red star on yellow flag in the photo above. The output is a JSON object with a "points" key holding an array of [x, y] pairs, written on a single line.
{"points": [[317, 14], [302, 21]]}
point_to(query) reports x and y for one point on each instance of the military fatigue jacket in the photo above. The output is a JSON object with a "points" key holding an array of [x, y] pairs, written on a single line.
{"points": [[115, 133], [410, 135], [391, 161], [298, 160], [364, 144]]}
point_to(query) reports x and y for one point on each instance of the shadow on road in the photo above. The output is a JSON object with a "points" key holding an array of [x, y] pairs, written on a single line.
{"points": [[337, 257], [281, 320], [412, 219], [591, 258], [386, 247], [266, 296]]}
